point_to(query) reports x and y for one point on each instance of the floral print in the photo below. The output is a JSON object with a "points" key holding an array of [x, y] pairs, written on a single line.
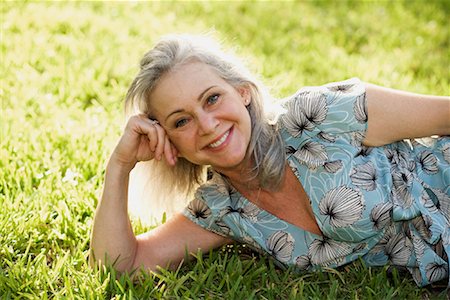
{"points": [[325, 252], [359, 108], [312, 154], [280, 245], [428, 162], [198, 209], [333, 166], [364, 176], [308, 109], [386, 205], [343, 206], [381, 215]]}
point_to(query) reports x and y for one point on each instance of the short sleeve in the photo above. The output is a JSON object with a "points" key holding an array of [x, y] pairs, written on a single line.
{"points": [[347, 108], [199, 212], [337, 108]]}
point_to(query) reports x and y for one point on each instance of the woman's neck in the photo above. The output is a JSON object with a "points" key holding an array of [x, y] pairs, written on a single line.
{"points": [[241, 179], [241, 176]]}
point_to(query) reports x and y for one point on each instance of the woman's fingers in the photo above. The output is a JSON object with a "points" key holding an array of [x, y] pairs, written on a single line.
{"points": [[155, 139], [174, 151], [152, 133], [168, 152], [161, 134]]}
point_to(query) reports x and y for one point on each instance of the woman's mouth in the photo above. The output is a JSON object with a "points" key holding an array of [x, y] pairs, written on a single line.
{"points": [[219, 142]]}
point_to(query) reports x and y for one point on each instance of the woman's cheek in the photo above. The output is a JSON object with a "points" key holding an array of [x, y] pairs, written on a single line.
{"points": [[179, 144]]}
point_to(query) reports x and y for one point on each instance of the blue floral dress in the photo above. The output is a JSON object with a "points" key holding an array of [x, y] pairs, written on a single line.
{"points": [[387, 205]]}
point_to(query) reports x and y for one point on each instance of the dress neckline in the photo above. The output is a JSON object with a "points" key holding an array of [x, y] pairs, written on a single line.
{"points": [[247, 202]]}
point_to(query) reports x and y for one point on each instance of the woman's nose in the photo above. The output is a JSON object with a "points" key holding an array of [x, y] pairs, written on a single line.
{"points": [[207, 123]]}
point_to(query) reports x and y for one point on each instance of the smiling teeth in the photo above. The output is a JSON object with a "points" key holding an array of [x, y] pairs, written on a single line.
{"points": [[219, 142]]}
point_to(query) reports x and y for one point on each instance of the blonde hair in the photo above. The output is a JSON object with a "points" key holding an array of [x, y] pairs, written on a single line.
{"points": [[266, 148]]}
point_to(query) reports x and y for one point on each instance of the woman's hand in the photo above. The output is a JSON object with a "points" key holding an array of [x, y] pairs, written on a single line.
{"points": [[143, 139]]}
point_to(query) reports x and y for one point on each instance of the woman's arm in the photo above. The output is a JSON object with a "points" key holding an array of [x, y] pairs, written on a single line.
{"points": [[394, 115], [166, 246], [113, 241]]}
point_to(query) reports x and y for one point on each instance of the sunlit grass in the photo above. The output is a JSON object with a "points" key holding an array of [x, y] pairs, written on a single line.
{"points": [[64, 71]]}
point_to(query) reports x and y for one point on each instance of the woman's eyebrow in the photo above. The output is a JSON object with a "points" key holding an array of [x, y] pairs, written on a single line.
{"points": [[199, 98], [204, 92]]}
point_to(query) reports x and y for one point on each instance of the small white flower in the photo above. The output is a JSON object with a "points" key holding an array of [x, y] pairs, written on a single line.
{"points": [[71, 177]]}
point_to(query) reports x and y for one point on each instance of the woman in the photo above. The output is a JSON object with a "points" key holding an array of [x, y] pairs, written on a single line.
{"points": [[322, 183]]}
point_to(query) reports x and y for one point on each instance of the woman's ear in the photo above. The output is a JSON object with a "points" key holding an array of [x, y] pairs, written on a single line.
{"points": [[246, 96]]}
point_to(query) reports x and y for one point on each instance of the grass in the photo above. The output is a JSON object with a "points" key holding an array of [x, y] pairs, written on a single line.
{"points": [[64, 71]]}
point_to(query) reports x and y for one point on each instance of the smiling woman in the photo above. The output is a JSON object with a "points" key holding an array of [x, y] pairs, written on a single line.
{"points": [[327, 181], [205, 119], [184, 177]]}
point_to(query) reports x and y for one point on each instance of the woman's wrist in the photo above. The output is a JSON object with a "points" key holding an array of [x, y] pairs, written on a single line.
{"points": [[119, 165]]}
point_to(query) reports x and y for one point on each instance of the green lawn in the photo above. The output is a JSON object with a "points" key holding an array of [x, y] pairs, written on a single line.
{"points": [[65, 68]]}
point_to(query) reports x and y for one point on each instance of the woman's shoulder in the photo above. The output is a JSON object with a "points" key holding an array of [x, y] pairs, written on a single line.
{"points": [[215, 193], [209, 201], [336, 107], [347, 86]]}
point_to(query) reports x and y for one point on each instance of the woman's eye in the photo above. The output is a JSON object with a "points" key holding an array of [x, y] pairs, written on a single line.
{"points": [[181, 123], [213, 99]]}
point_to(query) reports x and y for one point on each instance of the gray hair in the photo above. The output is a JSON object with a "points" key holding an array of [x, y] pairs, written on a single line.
{"points": [[266, 147]]}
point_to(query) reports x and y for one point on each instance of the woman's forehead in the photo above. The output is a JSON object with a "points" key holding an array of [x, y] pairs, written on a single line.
{"points": [[187, 81], [183, 86]]}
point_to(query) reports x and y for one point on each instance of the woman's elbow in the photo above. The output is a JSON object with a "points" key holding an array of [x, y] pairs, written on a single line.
{"points": [[120, 264]]}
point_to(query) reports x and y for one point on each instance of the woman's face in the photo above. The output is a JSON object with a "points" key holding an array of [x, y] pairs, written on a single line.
{"points": [[205, 118]]}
